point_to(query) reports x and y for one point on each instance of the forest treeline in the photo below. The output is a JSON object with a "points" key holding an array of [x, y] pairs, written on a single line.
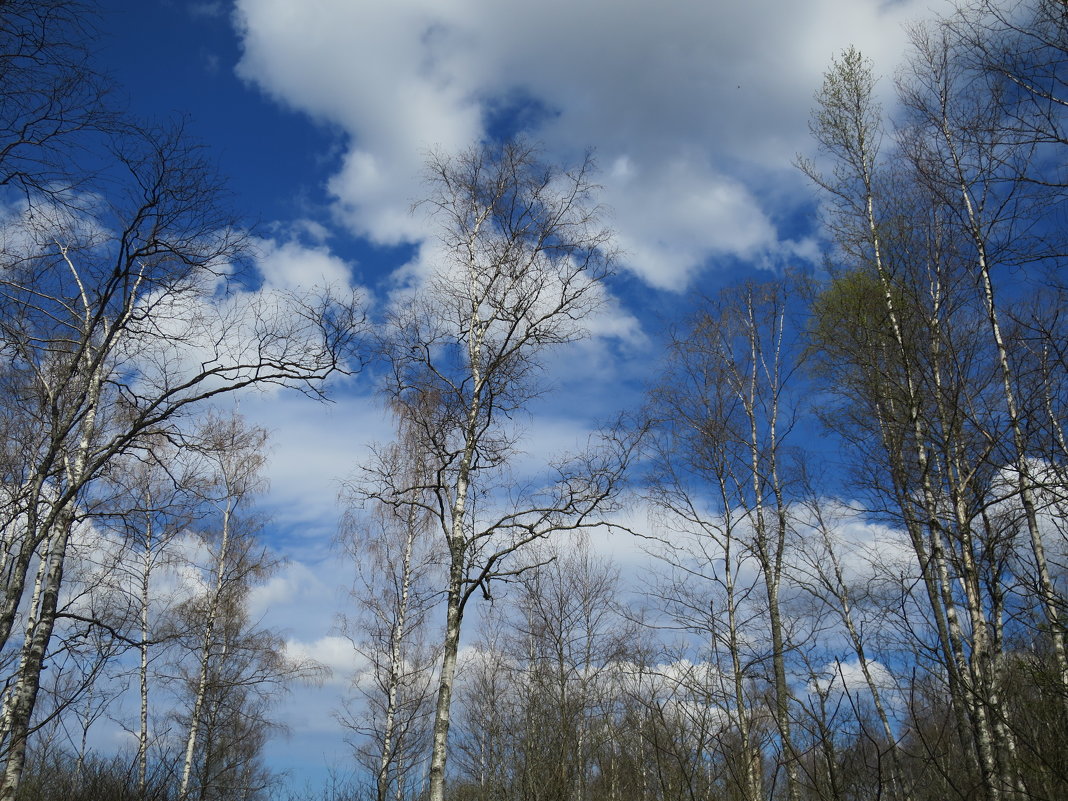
{"points": [[850, 485]]}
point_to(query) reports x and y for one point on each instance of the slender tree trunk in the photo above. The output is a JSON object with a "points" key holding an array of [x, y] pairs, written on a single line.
{"points": [[16, 565], [770, 539], [206, 657], [754, 771], [20, 706], [840, 592], [458, 545], [41, 618], [443, 708], [1048, 596], [397, 635], [142, 648], [1007, 775]]}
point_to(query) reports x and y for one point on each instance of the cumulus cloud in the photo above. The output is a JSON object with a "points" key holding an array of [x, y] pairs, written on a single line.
{"points": [[313, 447], [849, 676], [291, 265], [684, 103], [336, 653]]}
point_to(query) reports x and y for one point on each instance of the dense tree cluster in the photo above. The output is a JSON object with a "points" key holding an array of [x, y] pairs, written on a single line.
{"points": [[857, 481], [882, 617], [127, 553]]}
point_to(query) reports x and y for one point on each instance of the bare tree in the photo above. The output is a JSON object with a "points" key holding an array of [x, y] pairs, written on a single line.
{"points": [[568, 636], [397, 563], [52, 99], [233, 668], [522, 260], [970, 155], [711, 580], [489, 720], [122, 308], [536, 697], [155, 497], [912, 329], [724, 419], [821, 571], [237, 453], [113, 326]]}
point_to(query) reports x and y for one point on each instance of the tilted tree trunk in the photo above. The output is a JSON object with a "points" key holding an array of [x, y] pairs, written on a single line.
{"points": [[41, 617]]}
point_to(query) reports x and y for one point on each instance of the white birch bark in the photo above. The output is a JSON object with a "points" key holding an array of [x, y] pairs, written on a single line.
{"points": [[396, 640], [523, 256], [847, 129], [41, 618], [209, 652], [934, 60], [458, 557], [142, 649], [769, 537], [443, 707]]}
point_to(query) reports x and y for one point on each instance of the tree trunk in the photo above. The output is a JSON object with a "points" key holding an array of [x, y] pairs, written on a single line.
{"points": [[443, 708], [206, 656], [20, 703], [142, 647], [397, 635]]}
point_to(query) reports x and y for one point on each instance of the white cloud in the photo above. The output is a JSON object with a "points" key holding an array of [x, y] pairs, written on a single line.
{"points": [[684, 102], [865, 547], [336, 653], [313, 446], [675, 216], [294, 582], [838, 676], [289, 265]]}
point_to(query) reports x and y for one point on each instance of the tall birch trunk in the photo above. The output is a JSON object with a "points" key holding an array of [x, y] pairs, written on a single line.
{"points": [[754, 769], [770, 537], [523, 253], [206, 656], [458, 546], [20, 703], [1001, 740], [442, 710], [41, 618], [142, 648], [397, 635]]}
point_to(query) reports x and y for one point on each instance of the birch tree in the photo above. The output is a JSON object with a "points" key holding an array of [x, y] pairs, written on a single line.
{"points": [[725, 416], [568, 637], [969, 152], [237, 456], [695, 485], [521, 261], [115, 323], [52, 98], [397, 562], [821, 570], [122, 307], [914, 326], [233, 668], [848, 126], [153, 504]]}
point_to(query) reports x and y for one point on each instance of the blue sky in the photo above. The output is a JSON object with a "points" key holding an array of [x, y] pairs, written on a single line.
{"points": [[321, 111]]}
